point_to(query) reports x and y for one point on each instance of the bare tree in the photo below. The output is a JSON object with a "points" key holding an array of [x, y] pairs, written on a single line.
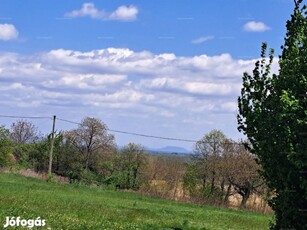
{"points": [[176, 170], [165, 175], [243, 173], [91, 139], [224, 166], [23, 132], [209, 150]]}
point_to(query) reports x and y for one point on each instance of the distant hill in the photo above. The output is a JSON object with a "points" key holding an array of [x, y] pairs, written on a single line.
{"points": [[170, 149], [174, 149]]}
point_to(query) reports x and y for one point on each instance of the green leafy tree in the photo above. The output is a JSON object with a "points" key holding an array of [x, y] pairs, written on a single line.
{"points": [[132, 158], [6, 157], [191, 181], [273, 115]]}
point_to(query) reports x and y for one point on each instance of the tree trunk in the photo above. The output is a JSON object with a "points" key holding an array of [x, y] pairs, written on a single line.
{"points": [[227, 195], [86, 164], [223, 190], [87, 157], [127, 186], [212, 182], [245, 195], [175, 189], [204, 181], [223, 186], [135, 172]]}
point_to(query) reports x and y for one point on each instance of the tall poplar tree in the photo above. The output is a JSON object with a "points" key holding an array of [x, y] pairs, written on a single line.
{"points": [[273, 115]]}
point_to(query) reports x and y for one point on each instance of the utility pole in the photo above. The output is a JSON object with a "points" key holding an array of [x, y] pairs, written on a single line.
{"points": [[52, 144]]}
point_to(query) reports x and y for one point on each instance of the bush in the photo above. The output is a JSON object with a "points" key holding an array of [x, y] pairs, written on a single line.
{"points": [[88, 178], [6, 157]]}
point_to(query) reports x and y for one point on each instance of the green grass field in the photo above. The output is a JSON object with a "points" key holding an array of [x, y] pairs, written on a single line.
{"points": [[79, 207]]}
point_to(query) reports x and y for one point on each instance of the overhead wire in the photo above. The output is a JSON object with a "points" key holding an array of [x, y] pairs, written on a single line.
{"points": [[25, 117], [152, 136], [72, 122], [145, 135], [135, 134], [111, 130]]}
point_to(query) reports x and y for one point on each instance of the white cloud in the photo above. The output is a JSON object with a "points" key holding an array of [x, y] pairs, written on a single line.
{"points": [[85, 81], [254, 26], [126, 76], [229, 106], [122, 13], [202, 39], [192, 87], [12, 86], [8, 32], [88, 9], [131, 89]]}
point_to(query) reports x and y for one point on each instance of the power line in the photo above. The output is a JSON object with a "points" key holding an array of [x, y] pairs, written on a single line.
{"points": [[25, 117], [152, 136], [72, 122], [149, 136], [136, 134], [113, 130]]}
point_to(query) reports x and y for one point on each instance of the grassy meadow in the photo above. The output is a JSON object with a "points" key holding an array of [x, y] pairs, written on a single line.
{"points": [[66, 206]]}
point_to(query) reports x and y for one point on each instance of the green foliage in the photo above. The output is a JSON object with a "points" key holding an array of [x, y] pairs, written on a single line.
{"points": [[123, 169], [273, 114], [199, 192], [132, 158], [88, 178], [211, 195], [51, 178], [32, 155], [6, 158], [38, 155], [81, 207], [191, 181]]}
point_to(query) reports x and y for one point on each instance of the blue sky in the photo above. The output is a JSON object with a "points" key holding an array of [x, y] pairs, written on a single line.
{"points": [[164, 67]]}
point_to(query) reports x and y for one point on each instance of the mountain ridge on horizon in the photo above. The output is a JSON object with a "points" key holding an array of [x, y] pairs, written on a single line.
{"points": [[171, 149]]}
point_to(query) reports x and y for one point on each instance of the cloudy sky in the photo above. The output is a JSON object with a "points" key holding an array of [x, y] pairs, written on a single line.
{"points": [[165, 68]]}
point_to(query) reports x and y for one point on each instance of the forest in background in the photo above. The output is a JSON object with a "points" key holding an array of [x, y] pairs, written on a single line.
{"points": [[221, 172]]}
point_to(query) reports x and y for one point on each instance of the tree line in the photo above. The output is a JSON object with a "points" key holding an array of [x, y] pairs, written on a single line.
{"points": [[272, 114], [219, 168]]}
